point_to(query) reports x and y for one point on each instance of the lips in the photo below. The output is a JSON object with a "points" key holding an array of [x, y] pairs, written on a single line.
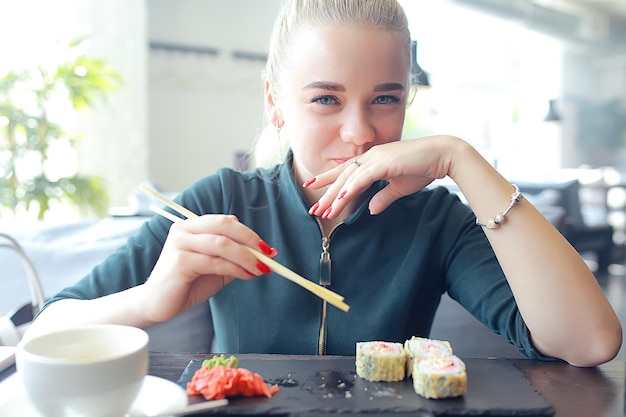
{"points": [[340, 161]]}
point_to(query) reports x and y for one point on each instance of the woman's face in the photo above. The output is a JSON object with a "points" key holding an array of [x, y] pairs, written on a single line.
{"points": [[342, 91]]}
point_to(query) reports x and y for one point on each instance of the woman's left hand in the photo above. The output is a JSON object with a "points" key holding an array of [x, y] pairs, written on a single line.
{"points": [[408, 166]]}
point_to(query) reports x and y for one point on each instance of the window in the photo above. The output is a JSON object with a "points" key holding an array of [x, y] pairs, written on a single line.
{"points": [[491, 81]]}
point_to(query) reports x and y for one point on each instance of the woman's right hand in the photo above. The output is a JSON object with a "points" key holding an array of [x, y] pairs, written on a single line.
{"points": [[200, 256]]}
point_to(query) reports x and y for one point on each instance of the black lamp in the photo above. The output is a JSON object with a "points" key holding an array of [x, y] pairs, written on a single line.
{"points": [[419, 77], [552, 115]]}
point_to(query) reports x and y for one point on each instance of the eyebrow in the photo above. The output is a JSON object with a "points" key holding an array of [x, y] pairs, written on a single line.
{"points": [[323, 85], [389, 87], [338, 87]]}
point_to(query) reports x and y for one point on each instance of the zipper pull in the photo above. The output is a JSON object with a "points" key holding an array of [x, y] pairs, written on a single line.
{"points": [[325, 262]]}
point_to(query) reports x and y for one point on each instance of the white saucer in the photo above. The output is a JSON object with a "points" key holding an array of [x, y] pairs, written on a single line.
{"points": [[7, 356], [156, 396]]}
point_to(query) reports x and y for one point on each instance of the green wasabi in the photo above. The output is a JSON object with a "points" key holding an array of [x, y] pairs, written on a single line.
{"points": [[231, 362]]}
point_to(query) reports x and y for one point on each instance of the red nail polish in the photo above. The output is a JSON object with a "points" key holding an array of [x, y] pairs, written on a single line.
{"points": [[342, 194], [263, 268], [274, 253], [327, 213], [314, 208], [309, 182], [265, 248]]}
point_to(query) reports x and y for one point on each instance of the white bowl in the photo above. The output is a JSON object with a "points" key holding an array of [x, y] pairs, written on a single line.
{"points": [[94, 370]]}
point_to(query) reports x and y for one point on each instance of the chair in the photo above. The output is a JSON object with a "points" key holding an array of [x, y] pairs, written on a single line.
{"points": [[14, 324], [596, 238]]}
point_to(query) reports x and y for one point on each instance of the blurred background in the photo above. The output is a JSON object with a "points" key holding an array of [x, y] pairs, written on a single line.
{"points": [[188, 94]]}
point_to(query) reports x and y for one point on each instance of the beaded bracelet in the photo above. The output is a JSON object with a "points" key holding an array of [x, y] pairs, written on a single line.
{"points": [[500, 218]]}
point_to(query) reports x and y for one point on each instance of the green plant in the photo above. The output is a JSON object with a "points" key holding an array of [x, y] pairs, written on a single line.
{"points": [[35, 105]]}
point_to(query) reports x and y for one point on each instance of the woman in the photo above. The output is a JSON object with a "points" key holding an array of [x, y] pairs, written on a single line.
{"points": [[336, 90]]}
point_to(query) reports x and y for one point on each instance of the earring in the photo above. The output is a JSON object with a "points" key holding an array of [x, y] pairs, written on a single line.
{"points": [[280, 145]]}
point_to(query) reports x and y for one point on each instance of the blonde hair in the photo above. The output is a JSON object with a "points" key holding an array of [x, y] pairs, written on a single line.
{"points": [[385, 15]]}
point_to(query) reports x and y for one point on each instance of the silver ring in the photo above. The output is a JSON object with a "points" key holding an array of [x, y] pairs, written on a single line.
{"points": [[356, 162]]}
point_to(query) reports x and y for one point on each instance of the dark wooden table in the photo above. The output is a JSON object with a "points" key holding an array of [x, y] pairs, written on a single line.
{"points": [[573, 392]]}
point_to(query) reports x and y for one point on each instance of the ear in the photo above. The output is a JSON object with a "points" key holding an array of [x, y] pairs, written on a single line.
{"points": [[271, 108]]}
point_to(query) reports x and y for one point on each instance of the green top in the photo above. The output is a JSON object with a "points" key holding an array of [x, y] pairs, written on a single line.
{"points": [[391, 268]]}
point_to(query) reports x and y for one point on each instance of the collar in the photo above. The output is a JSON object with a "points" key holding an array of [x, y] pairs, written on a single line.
{"points": [[287, 181]]}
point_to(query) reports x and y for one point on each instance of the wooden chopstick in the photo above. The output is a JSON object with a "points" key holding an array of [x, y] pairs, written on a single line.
{"points": [[171, 204], [292, 276], [322, 292], [171, 217]]}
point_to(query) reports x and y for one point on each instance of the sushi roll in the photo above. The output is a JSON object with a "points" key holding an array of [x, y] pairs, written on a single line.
{"points": [[420, 347], [381, 361], [439, 377]]}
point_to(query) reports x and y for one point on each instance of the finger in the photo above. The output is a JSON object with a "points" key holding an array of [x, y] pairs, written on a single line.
{"points": [[325, 178], [223, 225], [186, 262], [223, 254], [229, 226], [394, 190], [351, 183], [383, 199], [323, 206]]}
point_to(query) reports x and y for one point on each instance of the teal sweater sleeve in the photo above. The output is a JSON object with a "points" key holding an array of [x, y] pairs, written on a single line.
{"points": [[391, 268]]}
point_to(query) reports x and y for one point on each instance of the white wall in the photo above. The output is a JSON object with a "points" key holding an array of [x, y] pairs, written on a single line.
{"points": [[203, 109], [117, 131]]}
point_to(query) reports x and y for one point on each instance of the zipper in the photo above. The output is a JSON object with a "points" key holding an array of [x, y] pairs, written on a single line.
{"points": [[325, 263], [325, 280]]}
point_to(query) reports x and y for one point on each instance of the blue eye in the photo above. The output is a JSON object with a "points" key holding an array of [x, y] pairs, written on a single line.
{"points": [[325, 100], [388, 99]]}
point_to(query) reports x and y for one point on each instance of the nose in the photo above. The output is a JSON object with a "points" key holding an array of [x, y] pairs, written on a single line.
{"points": [[357, 127]]}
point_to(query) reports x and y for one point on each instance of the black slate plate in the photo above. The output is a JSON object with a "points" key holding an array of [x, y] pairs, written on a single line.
{"points": [[320, 386]]}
